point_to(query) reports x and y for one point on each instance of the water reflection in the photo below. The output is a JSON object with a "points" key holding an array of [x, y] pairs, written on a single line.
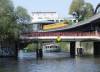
{"points": [[50, 63]]}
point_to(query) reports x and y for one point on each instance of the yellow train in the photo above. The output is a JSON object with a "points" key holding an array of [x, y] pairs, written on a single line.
{"points": [[54, 26]]}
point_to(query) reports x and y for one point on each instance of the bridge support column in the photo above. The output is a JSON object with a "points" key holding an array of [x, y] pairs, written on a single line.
{"points": [[39, 52], [84, 48], [79, 49], [96, 48], [72, 48]]}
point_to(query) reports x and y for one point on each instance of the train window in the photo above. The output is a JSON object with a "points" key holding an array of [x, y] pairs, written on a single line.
{"points": [[56, 46], [49, 46], [46, 46]]}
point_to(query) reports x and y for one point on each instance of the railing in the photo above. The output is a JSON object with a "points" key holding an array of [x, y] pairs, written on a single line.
{"points": [[38, 34]]}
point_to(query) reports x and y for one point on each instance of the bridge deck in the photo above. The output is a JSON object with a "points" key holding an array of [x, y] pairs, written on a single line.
{"points": [[63, 35]]}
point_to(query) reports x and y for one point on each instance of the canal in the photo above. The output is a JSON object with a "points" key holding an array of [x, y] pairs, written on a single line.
{"points": [[52, 62]]}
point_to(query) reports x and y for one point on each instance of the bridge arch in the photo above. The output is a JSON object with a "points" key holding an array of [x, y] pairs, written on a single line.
{"points": [[97, 10]]}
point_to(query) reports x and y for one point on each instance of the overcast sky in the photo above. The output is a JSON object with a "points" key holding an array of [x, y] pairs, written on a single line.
{"points": [[60, 6]]}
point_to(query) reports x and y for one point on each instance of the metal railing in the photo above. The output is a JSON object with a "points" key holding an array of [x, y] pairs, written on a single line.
{"points": [[38, 34]]}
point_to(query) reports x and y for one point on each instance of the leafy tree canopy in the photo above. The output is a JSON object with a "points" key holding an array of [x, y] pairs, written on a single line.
{"points": [[23, 19], [81, 9], [22, 15], [9, 27]]}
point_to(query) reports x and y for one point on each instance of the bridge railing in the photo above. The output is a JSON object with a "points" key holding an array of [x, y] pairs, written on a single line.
{"points": [[38, 34]]}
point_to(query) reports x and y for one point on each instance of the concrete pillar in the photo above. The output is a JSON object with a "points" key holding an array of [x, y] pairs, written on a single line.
{"points": [[77, 46], [88, 48], [39, 52], [16, 49], [72, 49], [96, 48], [84, 48]]}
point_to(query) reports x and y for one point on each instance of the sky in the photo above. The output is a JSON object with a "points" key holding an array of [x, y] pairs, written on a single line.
{"points": [[59, 6]]}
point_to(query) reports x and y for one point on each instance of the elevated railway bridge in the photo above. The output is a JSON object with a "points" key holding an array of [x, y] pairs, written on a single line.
{"points": [[85, 31]]}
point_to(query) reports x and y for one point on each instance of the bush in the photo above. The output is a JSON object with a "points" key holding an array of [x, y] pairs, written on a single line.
{"points": [[30, 47]]}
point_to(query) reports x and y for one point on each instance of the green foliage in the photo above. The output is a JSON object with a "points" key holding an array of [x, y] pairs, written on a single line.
{"points": [[9, 26], [22, 15], [23, 18], [31, 47], [6, 7], [89, 10], [64, 46], [84, 10], [69, 22], [76, 5]]}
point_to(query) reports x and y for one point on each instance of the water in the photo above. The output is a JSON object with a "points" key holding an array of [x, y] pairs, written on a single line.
{"points": [[52, 62]]}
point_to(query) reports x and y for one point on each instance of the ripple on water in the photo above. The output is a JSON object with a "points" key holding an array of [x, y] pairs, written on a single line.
{"points": [[50, 64]]}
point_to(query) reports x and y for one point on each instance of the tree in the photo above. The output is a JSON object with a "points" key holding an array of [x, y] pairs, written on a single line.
{"points": [[23, 18], [76, 5], [31, 47], [88, 10], [81, 9], [22, 15], [11, 20], [8, 27]]}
